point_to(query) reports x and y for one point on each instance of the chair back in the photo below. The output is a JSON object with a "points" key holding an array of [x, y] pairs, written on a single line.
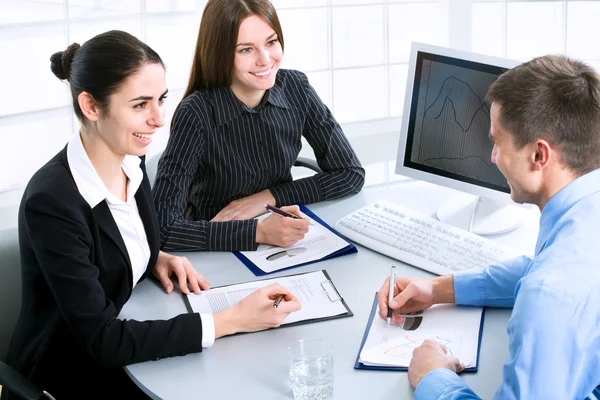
{"points": [[10, 286], [308, 163], [152, 167], [18, 384]]}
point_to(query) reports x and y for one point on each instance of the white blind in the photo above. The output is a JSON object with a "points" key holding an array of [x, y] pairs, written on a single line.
{"points": [[355, 53]]}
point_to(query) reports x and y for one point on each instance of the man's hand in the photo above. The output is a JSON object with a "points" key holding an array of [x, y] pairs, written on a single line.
{"points": [[429, 356], [412, 295], [246, 207], [167, 265]]}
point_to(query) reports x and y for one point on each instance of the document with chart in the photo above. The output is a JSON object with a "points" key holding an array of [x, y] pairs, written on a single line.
{"points": [[315, 291], [320, 243], [457, 328]]}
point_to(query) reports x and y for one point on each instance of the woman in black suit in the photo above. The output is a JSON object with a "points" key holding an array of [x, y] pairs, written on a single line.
{"points": [[88, 233]]}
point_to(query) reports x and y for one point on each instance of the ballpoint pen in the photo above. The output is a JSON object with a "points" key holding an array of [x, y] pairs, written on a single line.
{"points": [[283, 213], [278, 300], [391, 294]]}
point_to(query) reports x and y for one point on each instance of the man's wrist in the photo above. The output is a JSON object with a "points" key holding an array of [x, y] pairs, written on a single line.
{"points": [[443, 289]]}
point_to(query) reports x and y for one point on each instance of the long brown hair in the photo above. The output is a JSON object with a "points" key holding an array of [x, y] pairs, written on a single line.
{"points": [[217, 40]]}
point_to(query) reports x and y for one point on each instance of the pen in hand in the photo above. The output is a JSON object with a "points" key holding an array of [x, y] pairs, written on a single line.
{"points": [[278, 300], [391, 294], [283, 213]]}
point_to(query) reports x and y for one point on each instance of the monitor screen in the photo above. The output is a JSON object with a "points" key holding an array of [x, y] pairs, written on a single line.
{"points": [[446, 122]]}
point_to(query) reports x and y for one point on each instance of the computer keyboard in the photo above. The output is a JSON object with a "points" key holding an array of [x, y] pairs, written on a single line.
{"points": [[419, 240]]}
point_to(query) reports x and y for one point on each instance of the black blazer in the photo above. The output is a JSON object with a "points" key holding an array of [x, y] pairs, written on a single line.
{"points": [[76, 277]]}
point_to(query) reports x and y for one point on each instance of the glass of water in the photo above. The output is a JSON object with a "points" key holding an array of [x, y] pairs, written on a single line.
{"points": [[311, 369]]}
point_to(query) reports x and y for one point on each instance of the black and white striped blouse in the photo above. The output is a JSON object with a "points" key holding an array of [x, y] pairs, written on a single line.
{"points": [[219, 150]]}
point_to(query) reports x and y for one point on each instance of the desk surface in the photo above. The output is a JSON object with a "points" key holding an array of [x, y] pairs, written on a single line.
{"points": [[255, 365]]}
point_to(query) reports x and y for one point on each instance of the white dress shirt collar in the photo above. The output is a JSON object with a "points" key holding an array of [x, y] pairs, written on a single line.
{"points": [[88, 182]]}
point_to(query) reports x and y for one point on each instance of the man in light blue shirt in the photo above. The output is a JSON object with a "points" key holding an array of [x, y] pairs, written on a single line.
{"points": [[545, 125]]}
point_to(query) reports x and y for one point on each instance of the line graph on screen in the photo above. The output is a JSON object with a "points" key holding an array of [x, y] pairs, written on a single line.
{"points": [[453, 128]]}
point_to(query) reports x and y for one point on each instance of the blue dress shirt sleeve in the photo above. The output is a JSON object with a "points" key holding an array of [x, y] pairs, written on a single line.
{"points": [[443, 384], [492, 286]]}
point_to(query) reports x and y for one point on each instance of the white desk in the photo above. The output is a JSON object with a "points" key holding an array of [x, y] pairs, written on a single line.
{"points": [[255, 366]]}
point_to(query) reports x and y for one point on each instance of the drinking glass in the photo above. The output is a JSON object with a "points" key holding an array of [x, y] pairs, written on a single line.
{"points": [[311, 369]]}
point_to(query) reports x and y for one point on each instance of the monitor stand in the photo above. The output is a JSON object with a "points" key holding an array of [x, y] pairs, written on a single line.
{"points": [[480, 215]]}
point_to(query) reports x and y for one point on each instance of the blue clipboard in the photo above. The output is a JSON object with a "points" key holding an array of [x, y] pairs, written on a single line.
{"points": [[359, 365], [349, 249]]}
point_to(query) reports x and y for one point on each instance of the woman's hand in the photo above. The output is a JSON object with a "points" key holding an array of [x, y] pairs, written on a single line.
{"points": [[255, 312], [246, 207], [282, 231], [167, 265]]}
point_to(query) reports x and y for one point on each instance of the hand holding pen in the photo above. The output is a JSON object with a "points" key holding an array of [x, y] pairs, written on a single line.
{"points": [[257, 311], [284, 213], [404, 297], [278, 300], [391, 293], [280, 229]]}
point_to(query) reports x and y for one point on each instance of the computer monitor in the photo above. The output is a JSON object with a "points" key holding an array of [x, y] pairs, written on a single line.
{"points": [[445, 136]]}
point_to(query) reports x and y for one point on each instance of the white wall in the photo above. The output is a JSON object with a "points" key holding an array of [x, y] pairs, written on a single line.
{"points": [[354, 52]]}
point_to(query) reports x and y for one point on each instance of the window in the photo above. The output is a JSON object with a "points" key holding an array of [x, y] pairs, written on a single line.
{"points": [[355, 55]]}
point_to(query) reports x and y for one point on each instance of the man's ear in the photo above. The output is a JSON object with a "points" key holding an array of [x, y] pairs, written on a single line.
{"points": [[88, 106], [542, 155]]}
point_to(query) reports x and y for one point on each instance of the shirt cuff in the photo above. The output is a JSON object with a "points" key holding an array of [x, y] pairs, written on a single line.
{"points": [[208, 330], [305, 190], [469, 287], [232, 235], [439, 383]]}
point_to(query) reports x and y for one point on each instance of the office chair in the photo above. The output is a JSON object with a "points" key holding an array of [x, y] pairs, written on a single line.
{"points": [[307, 163], [151, 167], [11, 380]]}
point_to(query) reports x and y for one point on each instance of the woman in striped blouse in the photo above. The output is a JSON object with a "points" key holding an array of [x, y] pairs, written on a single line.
{"points": [[236, 135]]}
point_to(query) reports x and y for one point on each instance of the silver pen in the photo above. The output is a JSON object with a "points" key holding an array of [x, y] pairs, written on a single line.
{"points": [[391, 294]]}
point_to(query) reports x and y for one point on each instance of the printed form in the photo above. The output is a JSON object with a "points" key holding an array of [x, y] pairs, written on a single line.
{"points": [[314, 291]]}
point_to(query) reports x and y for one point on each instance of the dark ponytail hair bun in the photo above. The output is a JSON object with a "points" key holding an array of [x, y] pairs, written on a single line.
{"points": [[101, 66], [60, 62]]}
